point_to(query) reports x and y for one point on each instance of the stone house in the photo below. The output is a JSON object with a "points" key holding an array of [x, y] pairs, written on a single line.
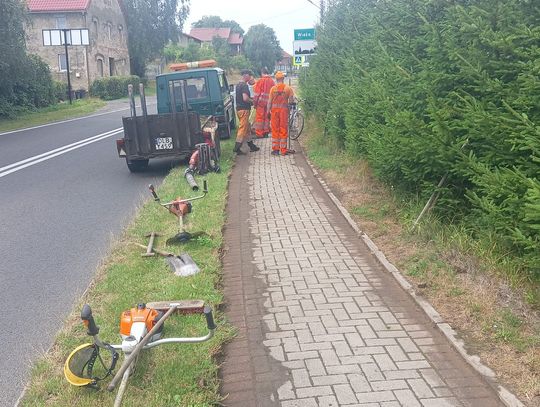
{"points": [[285, 63], [206, 35], [107, 54]]}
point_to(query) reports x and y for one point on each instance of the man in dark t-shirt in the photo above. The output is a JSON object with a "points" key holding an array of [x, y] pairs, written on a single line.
{"points": [[243, 110]]}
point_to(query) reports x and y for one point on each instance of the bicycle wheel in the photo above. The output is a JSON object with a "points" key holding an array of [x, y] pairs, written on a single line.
{"points": [[296, 124]]}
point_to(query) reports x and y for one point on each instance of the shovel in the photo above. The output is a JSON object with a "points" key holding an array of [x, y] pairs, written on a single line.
{"points": [[182, 266]]}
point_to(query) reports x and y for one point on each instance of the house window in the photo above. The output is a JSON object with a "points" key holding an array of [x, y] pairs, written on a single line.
{"points": [[60, 21], [95, 23], [62, 62], [109, 31], [112, 67], [120, 32], [100, 67]]}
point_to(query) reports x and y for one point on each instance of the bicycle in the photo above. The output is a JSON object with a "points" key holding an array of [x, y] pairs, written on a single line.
{"points": [[296, 121]]}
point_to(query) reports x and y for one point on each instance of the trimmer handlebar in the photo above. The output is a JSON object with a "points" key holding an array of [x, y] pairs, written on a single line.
{"points": [[178, 200], [153, 191], [88, 320], [209, 318]]}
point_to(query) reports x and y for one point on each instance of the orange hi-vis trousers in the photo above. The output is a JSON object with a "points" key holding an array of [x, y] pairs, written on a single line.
{"points": [[262, 124], [279, 124]]}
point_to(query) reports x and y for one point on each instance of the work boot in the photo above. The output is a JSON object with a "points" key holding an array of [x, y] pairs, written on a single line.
{"points": [[275, 152], [252, 146], [237, 149]]}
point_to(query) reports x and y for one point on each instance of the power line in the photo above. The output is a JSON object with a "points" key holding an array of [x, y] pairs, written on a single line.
{"points": [[311, 2]]}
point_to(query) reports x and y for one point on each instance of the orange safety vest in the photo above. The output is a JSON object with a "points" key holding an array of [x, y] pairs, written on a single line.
{"points": [[279, 96], [262, 89]]}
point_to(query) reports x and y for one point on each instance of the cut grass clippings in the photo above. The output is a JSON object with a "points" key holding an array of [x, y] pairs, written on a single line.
{"points": [[171, 374], [468, 281], [57, 112]]}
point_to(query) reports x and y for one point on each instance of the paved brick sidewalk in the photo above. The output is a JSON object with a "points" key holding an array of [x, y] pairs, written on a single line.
{"points": [[320, 323]]}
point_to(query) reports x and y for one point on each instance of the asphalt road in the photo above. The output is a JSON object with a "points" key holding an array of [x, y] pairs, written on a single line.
{"points": [[59, 209]]}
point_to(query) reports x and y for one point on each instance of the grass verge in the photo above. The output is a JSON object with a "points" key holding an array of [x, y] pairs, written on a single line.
{"points": [[169, 375], [470, 284], [60, 111]]}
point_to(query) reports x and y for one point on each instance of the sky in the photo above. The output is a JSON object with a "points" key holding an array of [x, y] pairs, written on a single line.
{"points": [[282, 15]]}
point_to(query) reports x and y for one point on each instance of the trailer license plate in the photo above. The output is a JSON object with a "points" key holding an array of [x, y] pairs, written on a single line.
{"points": [[164, 143]]}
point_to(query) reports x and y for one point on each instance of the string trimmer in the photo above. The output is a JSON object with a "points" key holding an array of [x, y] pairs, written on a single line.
{"points": [[141, 328], [179, 208]]}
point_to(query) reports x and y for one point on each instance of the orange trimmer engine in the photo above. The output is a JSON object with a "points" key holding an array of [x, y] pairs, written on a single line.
{"points": [[148, 316], [180, 207]]}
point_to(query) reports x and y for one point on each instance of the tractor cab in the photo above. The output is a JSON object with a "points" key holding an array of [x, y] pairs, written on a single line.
{"points": [[207, 92]]}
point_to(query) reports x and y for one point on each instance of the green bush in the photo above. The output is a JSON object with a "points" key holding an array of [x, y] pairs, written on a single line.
{"points": [[422, 88], [60, 90], [29, 88], [114, 87]]}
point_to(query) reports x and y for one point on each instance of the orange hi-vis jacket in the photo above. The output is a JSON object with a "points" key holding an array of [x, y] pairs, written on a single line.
{"points": [[262, 91], [279, 103]]}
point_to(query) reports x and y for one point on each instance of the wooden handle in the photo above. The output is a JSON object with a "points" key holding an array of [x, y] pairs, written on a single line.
{"points": [[161, 253], [118, 376]]}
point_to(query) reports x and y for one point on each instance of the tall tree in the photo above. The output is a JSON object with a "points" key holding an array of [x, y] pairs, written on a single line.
{"points": [[217, 22], [261, 46], [151, 24], [25, 80], [12, 48]]}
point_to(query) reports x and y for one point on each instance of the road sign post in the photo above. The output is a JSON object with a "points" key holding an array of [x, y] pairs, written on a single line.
{"points": [[67, 66], [65, 37]]}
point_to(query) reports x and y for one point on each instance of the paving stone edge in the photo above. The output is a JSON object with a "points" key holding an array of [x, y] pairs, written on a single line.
{"points": [[507, 397]]}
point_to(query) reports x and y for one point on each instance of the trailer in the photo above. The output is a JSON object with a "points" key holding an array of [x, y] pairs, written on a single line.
{"points": [[164, 135]]}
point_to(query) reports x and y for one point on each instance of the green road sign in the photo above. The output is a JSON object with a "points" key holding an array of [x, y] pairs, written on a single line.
{"points": [[304, 34]]}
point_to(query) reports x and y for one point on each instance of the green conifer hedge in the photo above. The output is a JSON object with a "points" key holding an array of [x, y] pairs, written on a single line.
{"points": [[425, 87]]}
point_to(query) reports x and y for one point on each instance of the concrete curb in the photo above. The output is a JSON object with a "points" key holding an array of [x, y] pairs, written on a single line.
{"points": [[508, 398]]}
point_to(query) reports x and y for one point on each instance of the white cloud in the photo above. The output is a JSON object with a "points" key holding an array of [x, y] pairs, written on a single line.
{"points": [[282, 15]]}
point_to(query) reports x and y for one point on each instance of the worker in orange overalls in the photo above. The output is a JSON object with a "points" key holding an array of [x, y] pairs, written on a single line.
{"points": [[260, 101], [278, 107]]}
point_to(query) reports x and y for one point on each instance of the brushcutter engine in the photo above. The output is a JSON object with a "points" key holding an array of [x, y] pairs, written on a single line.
{"points": [[180, 207], [137, 321]]}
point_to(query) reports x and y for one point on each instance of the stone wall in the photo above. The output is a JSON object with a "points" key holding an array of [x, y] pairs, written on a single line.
{"points": [[50, 54], [108, 39], [107, 54]]}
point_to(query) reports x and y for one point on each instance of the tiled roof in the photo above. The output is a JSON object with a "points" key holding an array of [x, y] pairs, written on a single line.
{"points": [[206, 34], [236, 39], [57, 5], [286, 58]]}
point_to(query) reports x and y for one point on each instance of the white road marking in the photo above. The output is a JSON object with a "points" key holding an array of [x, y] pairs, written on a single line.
{"points": [[63, 121], [11, 168], [69, 120]]}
